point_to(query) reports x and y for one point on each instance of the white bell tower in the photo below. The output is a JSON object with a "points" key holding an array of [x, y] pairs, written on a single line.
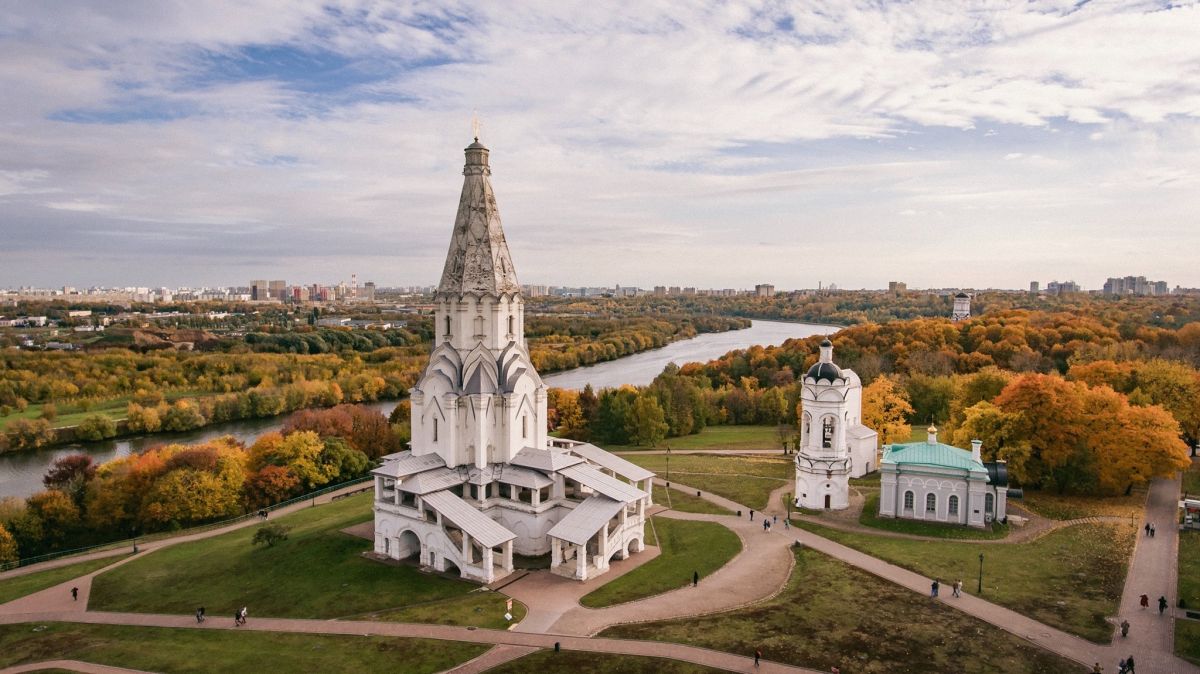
{"points": [[834, 445]]}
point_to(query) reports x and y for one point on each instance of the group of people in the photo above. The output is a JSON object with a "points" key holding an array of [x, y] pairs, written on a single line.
{"points": [[1125, 666], [1162, 603], [239, 616], [1149, 529], [935, 586]]}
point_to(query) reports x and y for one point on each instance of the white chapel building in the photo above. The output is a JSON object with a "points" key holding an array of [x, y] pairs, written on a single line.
{"points": [[937, 482], [483, 480], [834, 445]]}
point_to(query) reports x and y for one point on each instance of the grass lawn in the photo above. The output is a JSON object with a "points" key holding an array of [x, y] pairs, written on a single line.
{"points": [[688, 503], [1187, 640], [1191, 479], [831, 614], [1071, 578], [580, 662], [482, 608], [159, 649], [317, 573], [870, 481], [71, 413], [748, 480], [19, 586], [716, 437], [687, 547], [1189, 568], [1067, 507], [870, 518]]}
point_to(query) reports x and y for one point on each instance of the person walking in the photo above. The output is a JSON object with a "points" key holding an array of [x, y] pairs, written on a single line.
{"points": [[1121, 666], [958, 588], [1151, 531], [237, 618], [1162, 604], [933, 588], [757, 656], [242, 613], [74, 594], [1129, 665], [1124, 628], [695, 578], [751, 515], [199, 616], [1147, 528], [202, 616], [1145, 601], [786, 524]]}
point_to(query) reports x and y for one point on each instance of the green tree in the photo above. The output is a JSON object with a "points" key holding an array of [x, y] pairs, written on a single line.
{"points": [[95, 427], [647, 425], [270, 534]]}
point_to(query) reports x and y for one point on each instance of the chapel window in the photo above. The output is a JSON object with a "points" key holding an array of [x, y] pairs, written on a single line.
{"points": [[953, 505], [930, 503], [908, 500], [827, 433]]}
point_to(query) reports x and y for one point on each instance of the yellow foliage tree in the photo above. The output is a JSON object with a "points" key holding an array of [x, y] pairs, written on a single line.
{"points": [[885, 409]]}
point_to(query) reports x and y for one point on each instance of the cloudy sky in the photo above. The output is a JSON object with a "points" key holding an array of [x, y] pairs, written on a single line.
{"points": [[940, 143]]}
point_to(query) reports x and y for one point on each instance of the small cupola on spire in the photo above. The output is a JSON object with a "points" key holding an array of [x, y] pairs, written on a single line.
{"points": [[932, 431], [825, 369], [478, 261]]}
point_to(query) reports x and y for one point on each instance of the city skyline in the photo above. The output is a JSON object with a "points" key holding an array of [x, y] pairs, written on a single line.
{"points": [[155, 144]]}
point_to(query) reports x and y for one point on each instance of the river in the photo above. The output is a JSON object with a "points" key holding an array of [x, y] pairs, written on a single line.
{"points": [[641, 368], [21, 472]]}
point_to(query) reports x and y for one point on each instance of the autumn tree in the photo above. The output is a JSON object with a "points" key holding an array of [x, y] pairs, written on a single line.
{"points": [[142, 419], [270, 485], [28, 433], [8, 547], [886, 410], [70, 474]]}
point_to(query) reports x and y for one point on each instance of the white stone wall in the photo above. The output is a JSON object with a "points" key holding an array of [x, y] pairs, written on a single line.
{"points": [[942, 484]]}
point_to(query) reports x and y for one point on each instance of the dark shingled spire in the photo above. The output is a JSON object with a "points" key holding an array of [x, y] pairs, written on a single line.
{"points": [[478, 261]]}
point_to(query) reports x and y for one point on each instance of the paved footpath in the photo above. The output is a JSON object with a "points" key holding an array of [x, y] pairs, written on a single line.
{"points": [[1153, 572]]}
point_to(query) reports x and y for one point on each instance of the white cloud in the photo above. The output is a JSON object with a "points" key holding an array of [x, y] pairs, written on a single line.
{"points": [[626, 131]]}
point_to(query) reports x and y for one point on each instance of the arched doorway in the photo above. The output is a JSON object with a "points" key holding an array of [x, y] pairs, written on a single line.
{"points": [[407, 545]]}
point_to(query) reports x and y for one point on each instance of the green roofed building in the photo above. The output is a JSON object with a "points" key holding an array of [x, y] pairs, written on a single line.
{"points": [[935, 481]]}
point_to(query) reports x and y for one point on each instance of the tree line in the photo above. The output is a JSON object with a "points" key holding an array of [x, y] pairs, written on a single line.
{"points": [[175, 485], [1076, 404]]}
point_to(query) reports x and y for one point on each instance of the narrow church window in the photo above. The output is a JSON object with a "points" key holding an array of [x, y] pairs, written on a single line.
{"points": [[807, 429], [435, 429], [989, 503], [953, 505], [908, 500], [446, 332], [524, 426], [479, 325], [827, 433], [930, 503], [512, 322]]}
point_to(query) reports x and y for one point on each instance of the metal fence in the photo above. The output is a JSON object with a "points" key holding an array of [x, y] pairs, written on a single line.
{"points": [[131, 542]]}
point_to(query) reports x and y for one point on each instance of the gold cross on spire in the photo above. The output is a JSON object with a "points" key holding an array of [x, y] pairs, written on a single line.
{"points": [[475, 125]]}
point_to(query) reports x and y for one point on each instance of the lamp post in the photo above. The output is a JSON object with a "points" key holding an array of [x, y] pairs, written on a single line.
{"points": [[979, 590], [668, 467]]}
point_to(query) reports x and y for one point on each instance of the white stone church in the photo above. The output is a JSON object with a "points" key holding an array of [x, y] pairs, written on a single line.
{"points": [[483, 480], [937, 482], [834, 445]]}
